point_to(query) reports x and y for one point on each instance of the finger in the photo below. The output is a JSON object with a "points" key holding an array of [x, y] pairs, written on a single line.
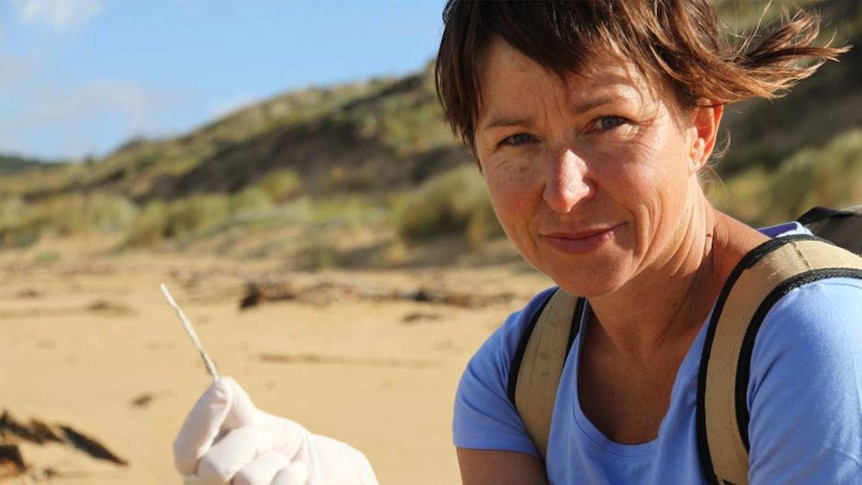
{"points": [[288, 436], [237, 449], [262, 469], [295, 474], [242, 411], [201, 426]]}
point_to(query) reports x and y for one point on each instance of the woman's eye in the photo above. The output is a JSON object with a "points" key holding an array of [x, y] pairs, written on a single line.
{"points": [[609, 122], [517, 139]]}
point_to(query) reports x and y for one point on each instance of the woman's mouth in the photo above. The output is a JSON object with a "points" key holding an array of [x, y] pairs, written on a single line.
{"points": [[580, 242]]}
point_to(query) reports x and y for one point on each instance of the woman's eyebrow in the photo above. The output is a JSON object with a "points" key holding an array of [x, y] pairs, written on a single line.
{"points": [[503, 121], [588, 105], [578, 108]]}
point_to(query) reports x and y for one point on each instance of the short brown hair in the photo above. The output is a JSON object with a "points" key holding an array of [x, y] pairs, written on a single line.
{"points": [[676, 39]]}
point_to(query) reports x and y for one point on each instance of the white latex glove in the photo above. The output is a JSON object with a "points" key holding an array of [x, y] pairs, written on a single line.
{"points": [[225, 439]]}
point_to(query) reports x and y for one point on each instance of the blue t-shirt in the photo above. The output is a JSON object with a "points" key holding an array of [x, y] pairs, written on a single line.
{"points": [[804, 397]]}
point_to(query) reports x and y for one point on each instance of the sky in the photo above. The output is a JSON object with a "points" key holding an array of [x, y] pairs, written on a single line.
{"points": [[79, 78]]}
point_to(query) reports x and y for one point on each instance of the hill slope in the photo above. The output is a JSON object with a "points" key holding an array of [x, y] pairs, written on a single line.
{"points": [[370, 143], [12, 164]]}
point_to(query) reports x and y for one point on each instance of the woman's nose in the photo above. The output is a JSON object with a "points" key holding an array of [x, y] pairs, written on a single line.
{"points": [[566, 182]]}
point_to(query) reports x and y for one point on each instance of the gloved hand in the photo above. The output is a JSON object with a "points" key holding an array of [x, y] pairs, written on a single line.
{"points": [[226, 439]]}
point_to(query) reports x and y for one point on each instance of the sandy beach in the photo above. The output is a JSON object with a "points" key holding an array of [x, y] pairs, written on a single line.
{"points": [[88, 341]]}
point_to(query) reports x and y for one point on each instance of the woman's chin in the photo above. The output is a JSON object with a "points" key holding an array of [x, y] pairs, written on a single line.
{"points": [[589, 279]]}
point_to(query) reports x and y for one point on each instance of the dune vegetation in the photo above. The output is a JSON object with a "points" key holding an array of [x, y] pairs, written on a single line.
{"points": [[372, 163]]}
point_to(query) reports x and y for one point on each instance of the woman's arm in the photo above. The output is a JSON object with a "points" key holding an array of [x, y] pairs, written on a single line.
{"points": [[483, 467], [805, 389], [492, 442]]}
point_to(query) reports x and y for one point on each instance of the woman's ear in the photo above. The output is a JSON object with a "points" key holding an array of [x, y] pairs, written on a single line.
{"points": [[705, 127]]}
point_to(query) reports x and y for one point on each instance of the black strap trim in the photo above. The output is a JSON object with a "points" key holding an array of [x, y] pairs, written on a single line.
{"points": [[576, 324], [743, 372], [747, 261]]}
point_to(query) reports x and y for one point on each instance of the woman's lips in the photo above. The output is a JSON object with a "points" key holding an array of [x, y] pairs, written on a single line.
{"points": [[581, 241]]}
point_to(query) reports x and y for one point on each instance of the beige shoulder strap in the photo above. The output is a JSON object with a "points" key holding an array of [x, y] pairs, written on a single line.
{"points": [[542, 367], [726, 447]]}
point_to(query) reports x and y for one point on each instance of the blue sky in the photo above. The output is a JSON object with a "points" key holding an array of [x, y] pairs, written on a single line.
{"points": [[80, 77]]}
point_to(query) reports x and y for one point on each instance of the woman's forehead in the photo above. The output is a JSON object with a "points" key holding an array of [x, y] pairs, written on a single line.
{"points": [[503, 72], [600, 58]]}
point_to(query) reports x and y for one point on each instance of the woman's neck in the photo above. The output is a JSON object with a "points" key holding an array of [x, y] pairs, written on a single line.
{"points": [[666, 304]]}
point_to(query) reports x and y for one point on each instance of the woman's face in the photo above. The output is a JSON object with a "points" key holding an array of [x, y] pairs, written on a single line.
{"points": [[593, 176]]}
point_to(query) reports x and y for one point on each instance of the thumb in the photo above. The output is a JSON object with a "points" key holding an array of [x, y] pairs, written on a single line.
{"points": [[223, 406]]}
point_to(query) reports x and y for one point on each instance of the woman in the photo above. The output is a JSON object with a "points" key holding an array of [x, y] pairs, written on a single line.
{"points": [[591, 123]]}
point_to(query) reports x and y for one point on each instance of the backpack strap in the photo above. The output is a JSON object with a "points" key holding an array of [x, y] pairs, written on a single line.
{"points": [[538, 364], [536, 369], [765, 275]]}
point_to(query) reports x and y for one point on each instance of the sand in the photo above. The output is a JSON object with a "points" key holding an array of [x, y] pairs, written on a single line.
{"points": [[89, 341]]}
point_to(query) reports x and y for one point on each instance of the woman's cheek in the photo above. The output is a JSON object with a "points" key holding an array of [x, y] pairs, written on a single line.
{"points": [[508, 182], [516, 211]]}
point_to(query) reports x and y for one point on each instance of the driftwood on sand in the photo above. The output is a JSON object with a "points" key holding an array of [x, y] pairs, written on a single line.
{"points": [[14, 432], [258, 292], [11, 461]]}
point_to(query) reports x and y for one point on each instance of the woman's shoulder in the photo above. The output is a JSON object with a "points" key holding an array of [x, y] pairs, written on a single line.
{"points": [[828, 305], [805, 383], [824, 306], [818, 324], [484, 417]]}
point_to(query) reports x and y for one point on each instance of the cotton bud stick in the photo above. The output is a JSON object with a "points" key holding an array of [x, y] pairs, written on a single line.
{"points": [[191, 331]]}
